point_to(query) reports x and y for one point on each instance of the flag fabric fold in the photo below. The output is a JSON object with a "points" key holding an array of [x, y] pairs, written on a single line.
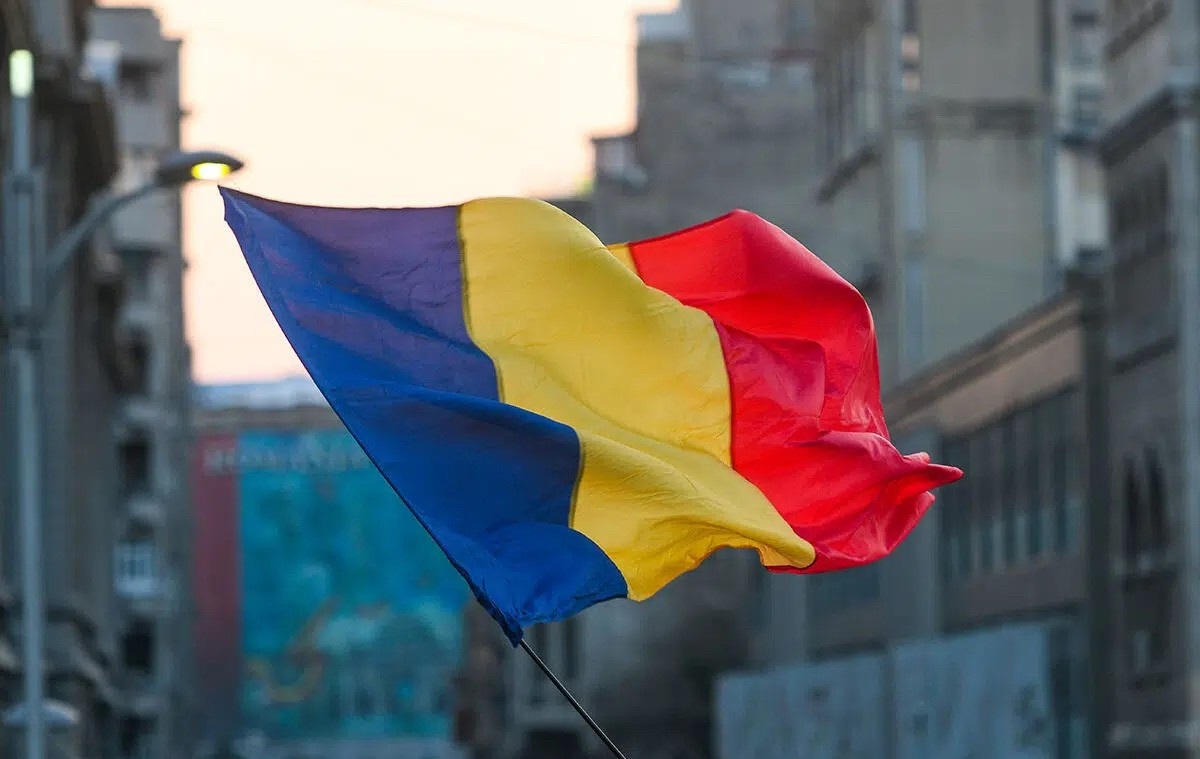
{"points": [[574, 422]]}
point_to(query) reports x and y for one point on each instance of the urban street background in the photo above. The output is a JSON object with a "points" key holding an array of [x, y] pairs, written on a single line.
{"points": [[1014, 185]]}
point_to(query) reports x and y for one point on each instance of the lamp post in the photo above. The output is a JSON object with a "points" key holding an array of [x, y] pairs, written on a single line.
{"points": [[32, 281]]}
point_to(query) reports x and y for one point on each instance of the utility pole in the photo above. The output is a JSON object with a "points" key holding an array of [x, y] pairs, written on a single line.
{"points": [[21, 353]]}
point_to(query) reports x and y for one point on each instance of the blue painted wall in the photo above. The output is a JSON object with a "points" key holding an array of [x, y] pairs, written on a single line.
{"points": [[350, 613]]}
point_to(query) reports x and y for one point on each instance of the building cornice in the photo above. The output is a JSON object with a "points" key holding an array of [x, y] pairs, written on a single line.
{"points": [[1032, 328]]}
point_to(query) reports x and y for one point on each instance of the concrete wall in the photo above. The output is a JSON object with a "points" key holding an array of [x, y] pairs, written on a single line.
{"points": [[1150, 149], [985, 243]]}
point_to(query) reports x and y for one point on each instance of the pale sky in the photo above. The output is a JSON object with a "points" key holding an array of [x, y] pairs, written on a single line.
{"points": [[383, 103]]}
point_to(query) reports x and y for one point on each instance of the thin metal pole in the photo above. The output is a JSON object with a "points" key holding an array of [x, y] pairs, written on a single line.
{"points": [[571, 700], [22, 353]]}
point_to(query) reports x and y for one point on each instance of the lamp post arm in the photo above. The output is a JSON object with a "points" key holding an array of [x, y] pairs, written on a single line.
{"points": [[72, 242]]}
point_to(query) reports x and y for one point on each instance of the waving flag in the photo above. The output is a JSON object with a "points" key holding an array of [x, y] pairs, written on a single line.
{"points": [[573, 422]]}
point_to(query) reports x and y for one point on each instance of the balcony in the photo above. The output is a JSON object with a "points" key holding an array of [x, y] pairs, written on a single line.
{"points": [[142, 412], [145, 510]]}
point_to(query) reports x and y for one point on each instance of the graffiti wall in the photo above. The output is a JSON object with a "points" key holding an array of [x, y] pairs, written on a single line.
{"points": [[343, 613]]}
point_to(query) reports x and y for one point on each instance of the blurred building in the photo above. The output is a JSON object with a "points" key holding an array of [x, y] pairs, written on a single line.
{"points": [[328, 623], [933, 132], [1077, 425], [725, 119], [958, 173], [963, 178], [1152, 158], [115, 367], [977, 626], [140, 68]]}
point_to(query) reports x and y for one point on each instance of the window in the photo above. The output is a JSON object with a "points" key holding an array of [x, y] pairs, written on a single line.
{"points": [[137, 649], [133, 738], [1022, 495], [1035, 490], [955, 515], [1131, 539], [1149, 618], [910, 16], [1087, 108], [1141, 215], [135, 567], [1157, 525], [1158, 192], [844, 95], [139, 359], [571, 632], [1060, 489], [910, 48], [133, 458], [137, 81], [983, 505], [1008, 490], [1086, 37]]}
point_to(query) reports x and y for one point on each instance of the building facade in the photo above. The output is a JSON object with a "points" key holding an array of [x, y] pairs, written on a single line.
{"points": [[724, 120], [956, 147], [75, 157], [1014, 187], [1078, 511], [1150, 151], [139, 67], [978, 625], [114, 372]]}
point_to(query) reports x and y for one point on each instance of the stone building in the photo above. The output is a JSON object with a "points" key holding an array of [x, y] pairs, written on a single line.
{"points": [[977, 626], [957, 173], [140, 68], [1125, 583], [75, 157], [113, 360], [1150, 151]]}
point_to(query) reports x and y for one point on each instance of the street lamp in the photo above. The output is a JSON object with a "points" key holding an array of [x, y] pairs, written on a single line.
{"points": [[33, 281], [173, 170]]}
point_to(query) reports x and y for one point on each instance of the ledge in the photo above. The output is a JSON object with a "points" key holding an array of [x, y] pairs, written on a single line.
{"points": [[1055, 582]]}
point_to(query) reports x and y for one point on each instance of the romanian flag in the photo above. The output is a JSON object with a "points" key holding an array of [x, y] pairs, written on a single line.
{"points": [[573, 422]]}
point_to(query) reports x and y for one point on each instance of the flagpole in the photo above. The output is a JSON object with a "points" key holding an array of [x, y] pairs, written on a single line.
{"points": [[571, 700]]}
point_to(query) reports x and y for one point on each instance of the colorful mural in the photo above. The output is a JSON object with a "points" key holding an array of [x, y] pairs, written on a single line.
{"points": [[349, 614]]}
